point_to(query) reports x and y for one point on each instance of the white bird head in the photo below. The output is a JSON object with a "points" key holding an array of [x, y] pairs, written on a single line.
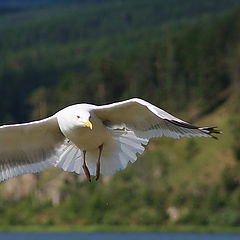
{"points": [[83, 119], [75, 116]]}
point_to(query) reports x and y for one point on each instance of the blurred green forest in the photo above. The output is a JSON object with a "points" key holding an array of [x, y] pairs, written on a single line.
{"points": [[183, 57]]}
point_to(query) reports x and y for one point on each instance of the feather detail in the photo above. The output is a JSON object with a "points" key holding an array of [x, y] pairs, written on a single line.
{"points": [[149, 121]]}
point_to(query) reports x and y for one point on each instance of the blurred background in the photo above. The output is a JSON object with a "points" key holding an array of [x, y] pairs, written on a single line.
{"points": [[183, 56]]}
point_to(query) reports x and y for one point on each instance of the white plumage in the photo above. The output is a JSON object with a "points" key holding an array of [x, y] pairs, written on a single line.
{"points": [[112, 134]]}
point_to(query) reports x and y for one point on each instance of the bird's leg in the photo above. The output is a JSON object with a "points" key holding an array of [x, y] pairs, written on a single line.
{"points": [[98, 162], [85, 168]]}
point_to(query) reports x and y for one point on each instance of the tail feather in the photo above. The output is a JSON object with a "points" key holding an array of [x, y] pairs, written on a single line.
{"points": [[70, 159], [115, 156], [78, 163], [134, 145], [125, 145], [130, 154]]}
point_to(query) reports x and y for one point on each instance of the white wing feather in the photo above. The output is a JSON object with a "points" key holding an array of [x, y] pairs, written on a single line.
{"points": [[147, 120], [29, 147]]}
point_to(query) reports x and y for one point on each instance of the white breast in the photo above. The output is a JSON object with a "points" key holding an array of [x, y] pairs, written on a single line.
{"points": [[86, 138]]}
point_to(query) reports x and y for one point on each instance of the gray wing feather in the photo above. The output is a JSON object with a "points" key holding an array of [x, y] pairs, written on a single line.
{"points": [[148, 121], [29, 147]]}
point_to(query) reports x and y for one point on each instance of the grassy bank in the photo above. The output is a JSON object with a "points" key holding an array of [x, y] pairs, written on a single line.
{"points": [[106, 228]]}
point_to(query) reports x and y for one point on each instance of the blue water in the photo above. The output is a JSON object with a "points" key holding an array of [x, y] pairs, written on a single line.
{"points": [[117, 236]]}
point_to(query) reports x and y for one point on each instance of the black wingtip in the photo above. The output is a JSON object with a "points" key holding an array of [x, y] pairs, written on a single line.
{"points": [[210, 131], [206, 130]]}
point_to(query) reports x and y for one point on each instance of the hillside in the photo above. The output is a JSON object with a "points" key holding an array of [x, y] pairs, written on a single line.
{"points": [[183, 58], [69, 46]]}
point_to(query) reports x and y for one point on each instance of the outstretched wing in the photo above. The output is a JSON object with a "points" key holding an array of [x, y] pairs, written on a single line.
{"points": [[29, 147], [148, 121]]}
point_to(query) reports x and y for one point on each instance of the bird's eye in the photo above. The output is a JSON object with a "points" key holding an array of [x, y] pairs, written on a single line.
{"points": [[78, 116]]}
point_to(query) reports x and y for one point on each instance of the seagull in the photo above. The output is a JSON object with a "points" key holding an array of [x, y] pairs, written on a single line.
{"points": [[89, 139]]}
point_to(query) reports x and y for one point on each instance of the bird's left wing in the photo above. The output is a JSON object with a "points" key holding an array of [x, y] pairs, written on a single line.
{"points": [[148, 121], [29, 147]]}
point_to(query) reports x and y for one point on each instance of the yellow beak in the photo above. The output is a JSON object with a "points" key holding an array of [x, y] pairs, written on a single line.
{"points": [[88, 124]]}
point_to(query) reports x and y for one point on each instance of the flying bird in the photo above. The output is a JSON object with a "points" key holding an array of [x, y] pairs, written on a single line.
{"points": [[89, 139]]}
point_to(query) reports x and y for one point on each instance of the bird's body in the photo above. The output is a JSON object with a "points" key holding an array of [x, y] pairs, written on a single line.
{"points": [[85, 138]]}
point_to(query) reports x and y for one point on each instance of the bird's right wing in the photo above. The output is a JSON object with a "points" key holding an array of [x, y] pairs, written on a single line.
{"points": [[29, 147], [148, 121]]}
